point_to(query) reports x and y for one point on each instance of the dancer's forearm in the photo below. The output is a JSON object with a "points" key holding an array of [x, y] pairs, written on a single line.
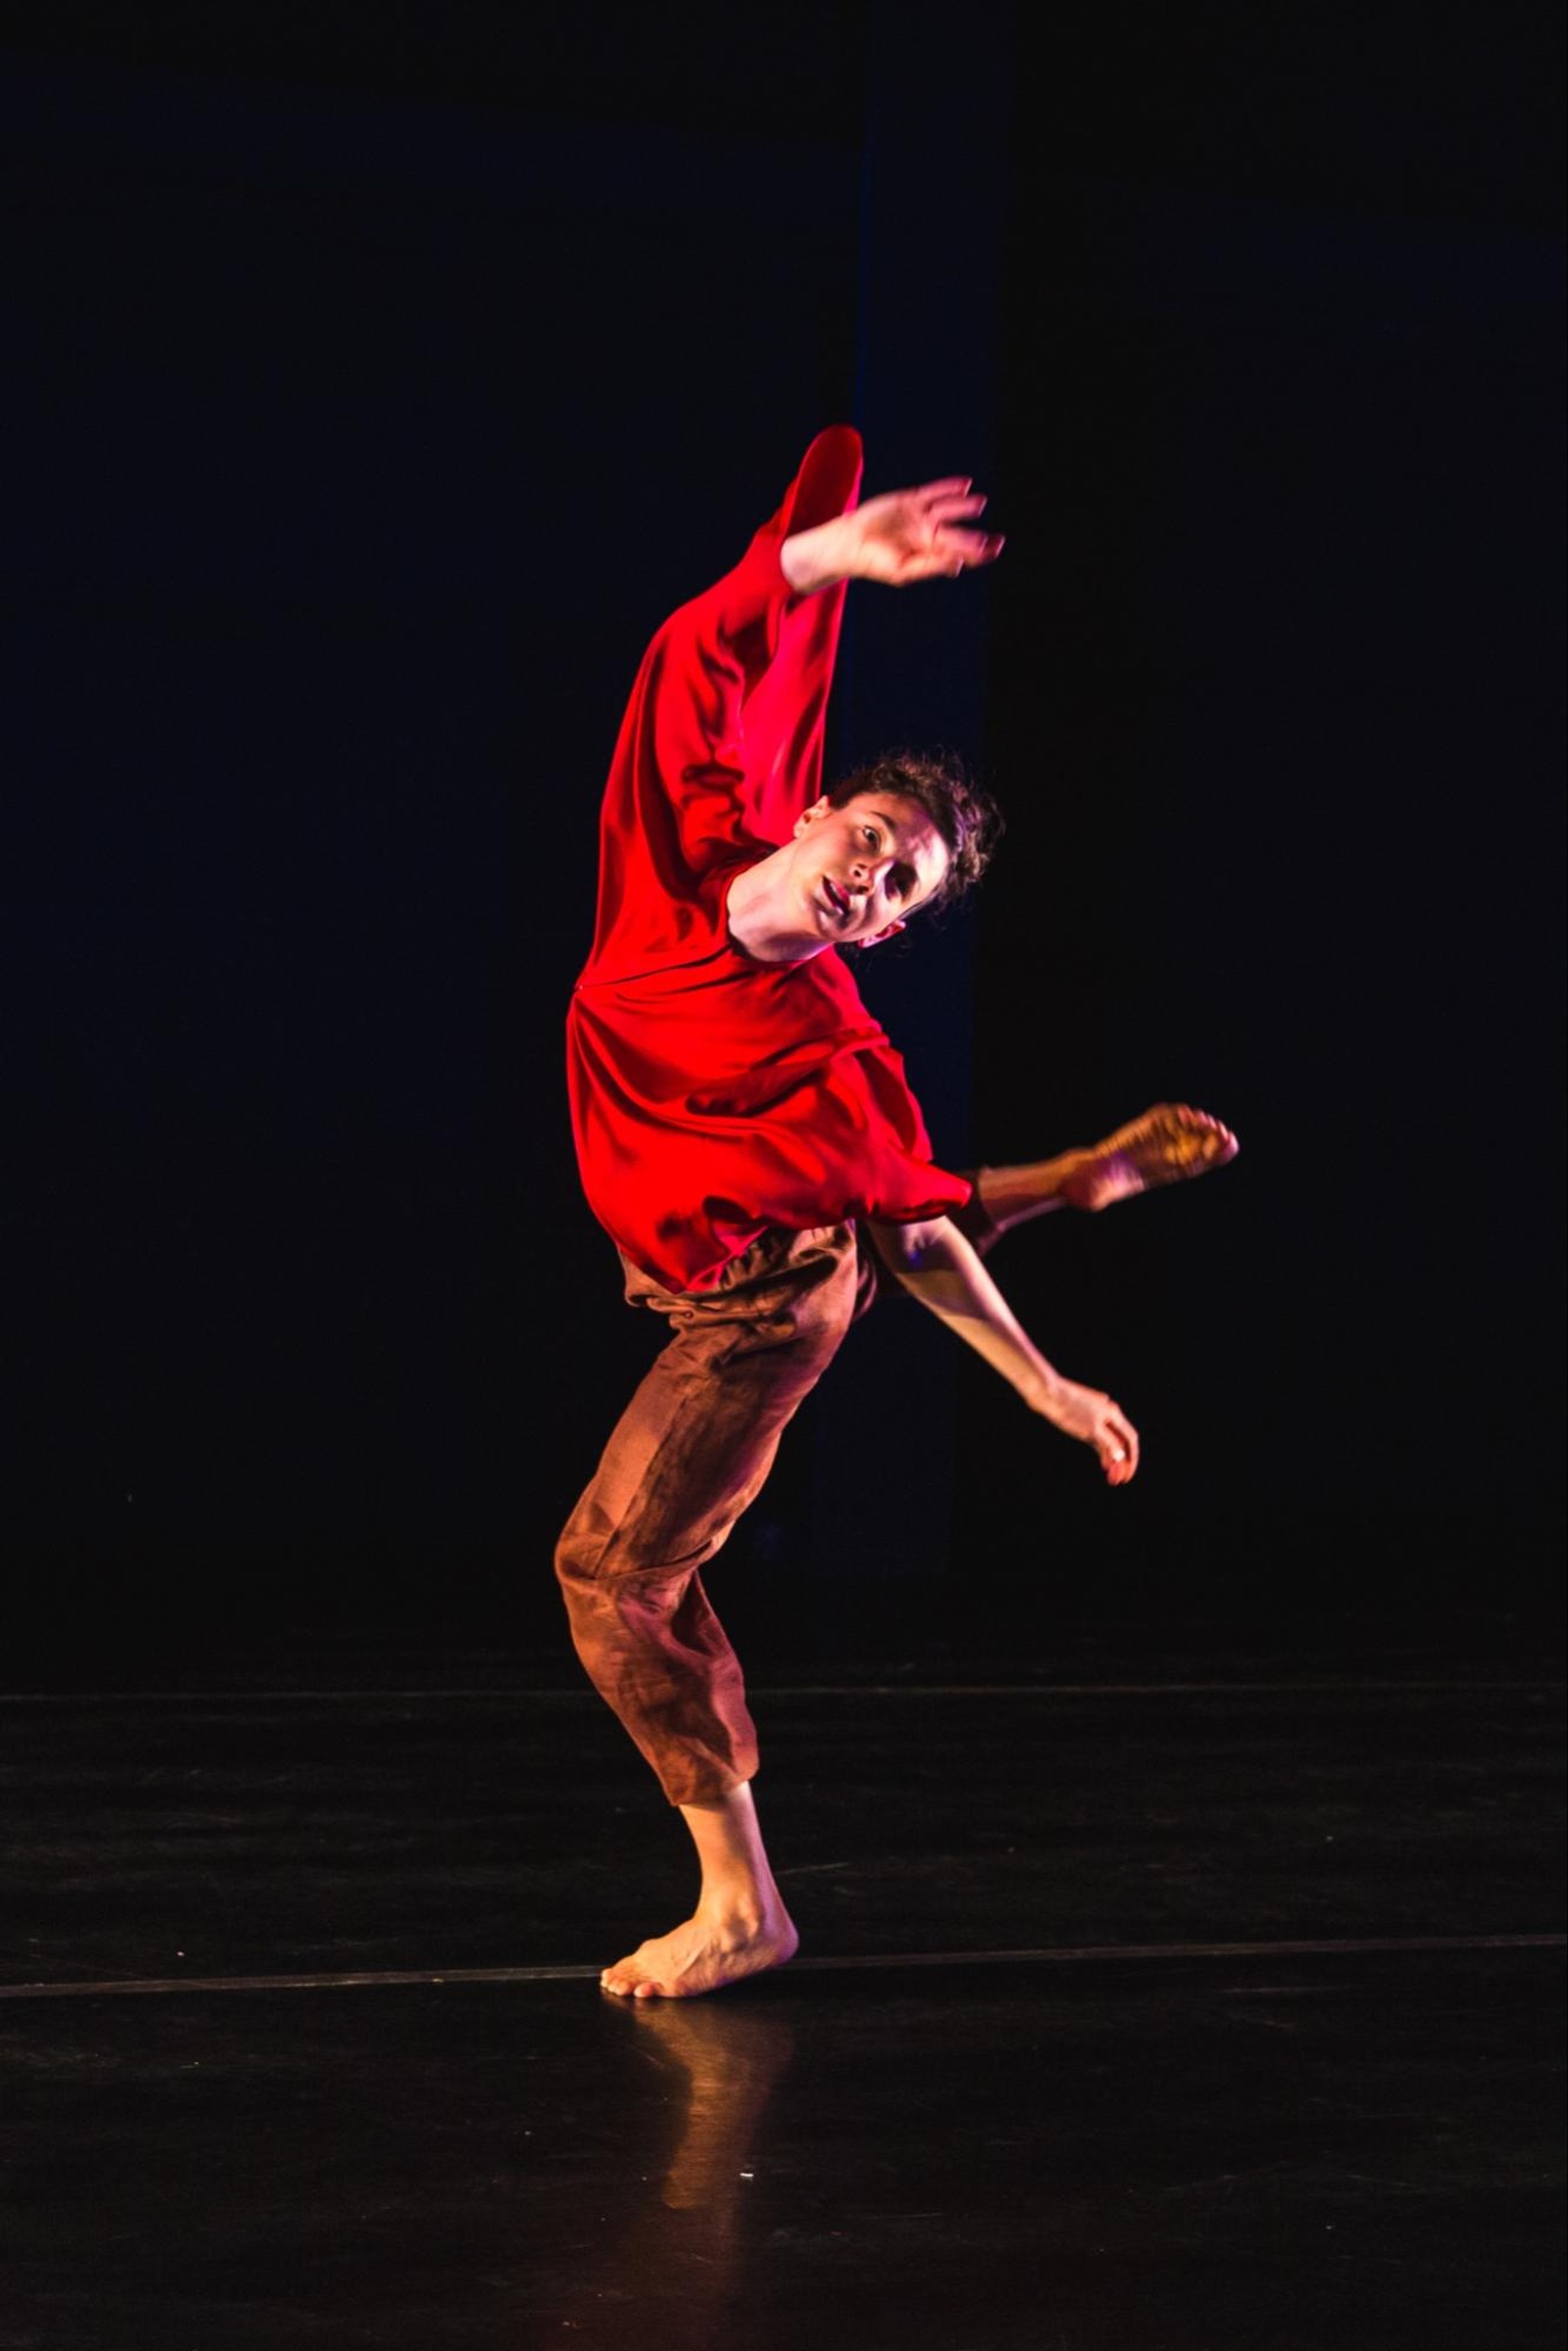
{"points": [[939, 1266], [819, 557]]}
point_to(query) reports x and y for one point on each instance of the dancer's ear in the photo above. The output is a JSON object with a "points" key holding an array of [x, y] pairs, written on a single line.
{"points": [[877, 937], [813, 815]]}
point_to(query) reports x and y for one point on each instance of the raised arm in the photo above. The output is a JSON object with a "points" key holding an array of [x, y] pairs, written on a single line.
{"points": [[900, 538], [937, 1265]]}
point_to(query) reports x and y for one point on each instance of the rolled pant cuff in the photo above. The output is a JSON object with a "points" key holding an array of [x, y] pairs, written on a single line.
{"points": [[704, 1788]]}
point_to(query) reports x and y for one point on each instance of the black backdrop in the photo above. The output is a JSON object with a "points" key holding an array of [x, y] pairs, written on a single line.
{"points": [[374, 390]]}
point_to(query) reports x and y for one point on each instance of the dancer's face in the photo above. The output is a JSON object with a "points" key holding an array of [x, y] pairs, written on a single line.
{"points": [[859, 872]]}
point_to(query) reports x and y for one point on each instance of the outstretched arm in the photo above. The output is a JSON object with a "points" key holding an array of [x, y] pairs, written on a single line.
{"points": [[938, 1266], [899, 538]]}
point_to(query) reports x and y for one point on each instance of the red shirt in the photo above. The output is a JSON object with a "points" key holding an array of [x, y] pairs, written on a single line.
{"points": [[713, 1095]]}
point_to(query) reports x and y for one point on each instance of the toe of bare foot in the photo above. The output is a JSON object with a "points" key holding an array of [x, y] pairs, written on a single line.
{"points": [[702, 1955]]}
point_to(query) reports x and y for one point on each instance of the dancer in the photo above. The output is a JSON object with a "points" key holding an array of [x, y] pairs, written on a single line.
{"points": [[743, 1128]]}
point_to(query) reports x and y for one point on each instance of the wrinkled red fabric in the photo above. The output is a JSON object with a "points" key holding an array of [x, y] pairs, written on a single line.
{"points": [[712, 1095]]}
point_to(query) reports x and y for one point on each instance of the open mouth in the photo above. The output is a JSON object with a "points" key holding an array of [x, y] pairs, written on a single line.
{"points": [[836, 898]]}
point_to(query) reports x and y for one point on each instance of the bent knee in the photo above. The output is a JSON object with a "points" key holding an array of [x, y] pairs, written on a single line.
{"points": [[581, 1545], [654, 1557]]}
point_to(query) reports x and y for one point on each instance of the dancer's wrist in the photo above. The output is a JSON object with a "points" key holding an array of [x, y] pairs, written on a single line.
{"points": [[816, 558]]}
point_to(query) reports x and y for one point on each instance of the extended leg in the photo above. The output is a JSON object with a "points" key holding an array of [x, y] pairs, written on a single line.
{"points": [[1166, 1145]]}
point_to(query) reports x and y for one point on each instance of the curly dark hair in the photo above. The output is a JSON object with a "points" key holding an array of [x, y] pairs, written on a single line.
{"points": [[962, 810]]}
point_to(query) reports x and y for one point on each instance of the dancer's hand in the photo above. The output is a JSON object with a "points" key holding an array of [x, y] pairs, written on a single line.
{"points": [[909, 534], [897, 538], [1094, 1420]]}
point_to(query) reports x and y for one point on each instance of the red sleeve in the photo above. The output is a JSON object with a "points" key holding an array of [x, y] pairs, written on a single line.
{"points": [[721, 746]]}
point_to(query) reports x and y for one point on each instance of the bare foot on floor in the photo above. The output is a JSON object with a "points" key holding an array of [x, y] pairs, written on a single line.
{"points": [[704, 1955], [1167, 1144]]}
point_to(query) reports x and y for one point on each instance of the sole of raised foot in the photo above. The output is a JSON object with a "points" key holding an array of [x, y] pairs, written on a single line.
{"points": [[1169, 1144]]}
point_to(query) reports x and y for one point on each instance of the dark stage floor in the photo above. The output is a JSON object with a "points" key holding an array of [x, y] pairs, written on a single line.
{"points": [[1144, 2000]]}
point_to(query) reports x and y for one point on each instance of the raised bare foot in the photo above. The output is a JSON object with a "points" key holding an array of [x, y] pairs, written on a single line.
{"points": [[704, 1955], [1167, 1144]]}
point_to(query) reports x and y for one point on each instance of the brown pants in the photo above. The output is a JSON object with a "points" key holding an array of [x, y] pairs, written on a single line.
{"points": [[689, 1454]]}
